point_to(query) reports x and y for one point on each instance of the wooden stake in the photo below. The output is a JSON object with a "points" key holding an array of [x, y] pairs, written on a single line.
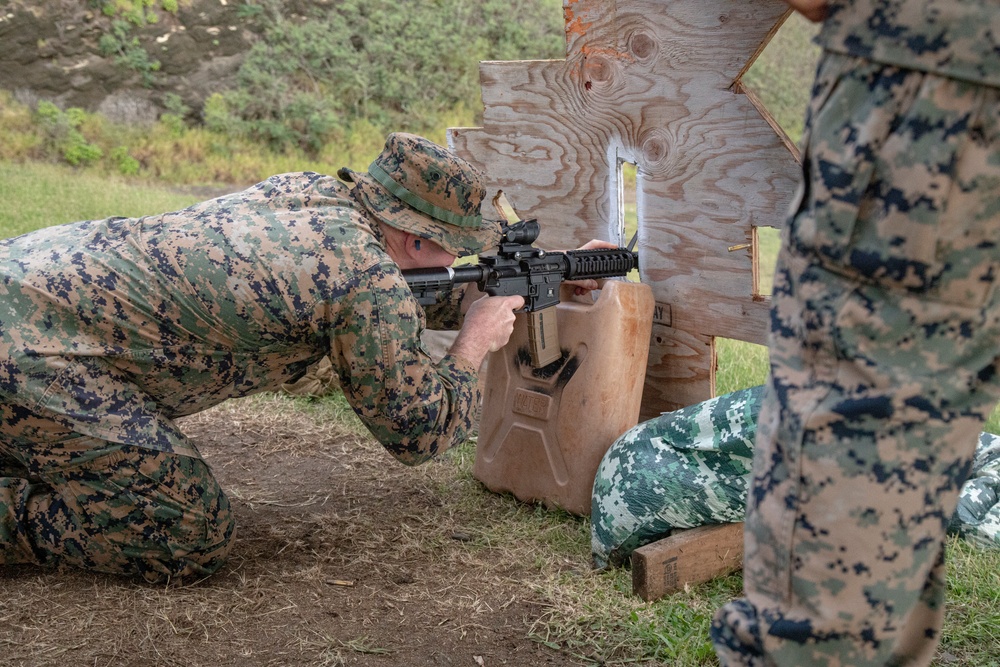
{"points": [[688, 557]]}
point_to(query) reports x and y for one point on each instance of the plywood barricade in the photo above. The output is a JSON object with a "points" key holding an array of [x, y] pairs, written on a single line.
{"points": [[655, 83]]}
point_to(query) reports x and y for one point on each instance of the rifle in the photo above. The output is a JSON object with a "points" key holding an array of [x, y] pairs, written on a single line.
{"points": [[519, 268]]}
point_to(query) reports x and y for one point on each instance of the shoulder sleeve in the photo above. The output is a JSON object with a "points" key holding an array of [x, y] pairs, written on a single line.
{"points": [[416, 408]]}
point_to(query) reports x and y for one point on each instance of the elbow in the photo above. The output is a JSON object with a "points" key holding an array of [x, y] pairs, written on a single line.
{"points": [[415, 436]]}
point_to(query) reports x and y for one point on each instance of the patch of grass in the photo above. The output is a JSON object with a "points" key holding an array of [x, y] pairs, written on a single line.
{"points": [[993, 423], [782, 74], [584, 613], [37, 195], [972, 624], [597, 619], [768, 245], [741, 365]]}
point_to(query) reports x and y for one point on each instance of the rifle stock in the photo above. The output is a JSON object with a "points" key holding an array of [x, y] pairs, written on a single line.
{"points": [[521, 269]]}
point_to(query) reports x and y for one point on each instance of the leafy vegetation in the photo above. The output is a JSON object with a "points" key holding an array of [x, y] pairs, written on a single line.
{"points": [[374, 63], [319, 94], [62, 133], [166, 152], [122, 43], [128, 52]]}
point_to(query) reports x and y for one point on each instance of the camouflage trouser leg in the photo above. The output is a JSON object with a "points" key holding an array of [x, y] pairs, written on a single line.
{"points": [[683, 469], [884, 368], [113, 508]]}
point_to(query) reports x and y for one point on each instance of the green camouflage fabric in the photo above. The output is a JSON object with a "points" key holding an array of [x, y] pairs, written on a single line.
{"points": [[684, 469], [111, 329], [691, 467], [977, 518], [119, 509], [884, 322], [959, 39]]}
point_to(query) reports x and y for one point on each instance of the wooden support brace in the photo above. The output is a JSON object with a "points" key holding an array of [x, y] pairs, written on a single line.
{"points": [[688, 557]]}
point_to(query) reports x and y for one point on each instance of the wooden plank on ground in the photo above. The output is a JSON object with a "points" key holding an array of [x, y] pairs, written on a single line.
{"points": [[689, 557]]}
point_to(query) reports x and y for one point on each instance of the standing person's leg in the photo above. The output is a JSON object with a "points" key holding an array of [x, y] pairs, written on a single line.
{"points": [[884, 367], [106, 507]]}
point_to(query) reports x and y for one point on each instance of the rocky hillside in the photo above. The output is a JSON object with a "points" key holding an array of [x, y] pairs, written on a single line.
{"points": [[123, 57]]}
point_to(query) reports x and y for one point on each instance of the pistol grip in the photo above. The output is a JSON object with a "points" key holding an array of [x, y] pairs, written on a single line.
{"points": [[543, 337]]}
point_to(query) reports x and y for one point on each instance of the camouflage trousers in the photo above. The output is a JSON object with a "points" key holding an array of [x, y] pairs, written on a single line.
{"points": [[885, 322], [683, 469], [72, 500]]}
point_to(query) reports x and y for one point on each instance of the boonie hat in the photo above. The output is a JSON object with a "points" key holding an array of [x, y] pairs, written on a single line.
{"points": [[419, 187]]}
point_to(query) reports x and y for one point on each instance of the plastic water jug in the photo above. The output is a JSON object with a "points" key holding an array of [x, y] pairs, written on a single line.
{"points": [[544, 431]]}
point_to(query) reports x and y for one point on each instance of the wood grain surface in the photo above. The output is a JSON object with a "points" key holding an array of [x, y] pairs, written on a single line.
{"points": [[656, 84]]}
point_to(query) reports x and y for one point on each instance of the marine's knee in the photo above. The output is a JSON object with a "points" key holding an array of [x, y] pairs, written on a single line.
{"points": [[189, 534], [735, 633], [202, 546], [198, 550]]}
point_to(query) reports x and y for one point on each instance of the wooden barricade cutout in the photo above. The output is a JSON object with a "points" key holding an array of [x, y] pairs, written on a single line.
{"points": [[656, 84]]}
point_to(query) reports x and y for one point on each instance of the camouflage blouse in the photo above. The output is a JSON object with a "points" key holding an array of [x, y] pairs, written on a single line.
{"points": [[114, 327], [959, 39]]}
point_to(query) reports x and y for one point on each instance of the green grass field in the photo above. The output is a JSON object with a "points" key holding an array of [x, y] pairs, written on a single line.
{"points": [[37, 195]]}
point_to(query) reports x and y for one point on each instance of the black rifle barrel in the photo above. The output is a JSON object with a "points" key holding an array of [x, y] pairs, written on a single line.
{"points": [[573, 265]]}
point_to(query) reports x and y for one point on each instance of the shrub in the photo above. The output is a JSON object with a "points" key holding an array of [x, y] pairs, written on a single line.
{"points": [[122, 44], [127, 165], [397, 64], [63, 134]]}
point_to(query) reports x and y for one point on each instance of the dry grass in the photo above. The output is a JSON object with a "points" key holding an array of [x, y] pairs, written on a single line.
{"points": [[345, 557], [342, 557]]}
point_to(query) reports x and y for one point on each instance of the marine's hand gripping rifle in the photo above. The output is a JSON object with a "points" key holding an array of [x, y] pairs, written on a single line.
{"points": [[521, 269]]}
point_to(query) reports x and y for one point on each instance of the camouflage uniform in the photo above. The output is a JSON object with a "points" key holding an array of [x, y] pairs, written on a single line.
{"points": [[691, 467], [977, 518], [111, 329], [883, 342], [684, 469]]}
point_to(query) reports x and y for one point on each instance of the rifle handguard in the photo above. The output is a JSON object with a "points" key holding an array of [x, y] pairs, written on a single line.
{"points": [[521, 269], [598, 263]]}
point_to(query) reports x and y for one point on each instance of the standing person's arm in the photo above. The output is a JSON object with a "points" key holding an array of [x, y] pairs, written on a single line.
{"points": [[814, 10]]}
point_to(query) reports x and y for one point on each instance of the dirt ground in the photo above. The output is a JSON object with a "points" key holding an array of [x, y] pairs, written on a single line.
{"points": [[342, 557]]}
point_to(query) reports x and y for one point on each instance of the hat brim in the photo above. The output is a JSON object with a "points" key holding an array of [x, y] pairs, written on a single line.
{"points": [[459, 241]]}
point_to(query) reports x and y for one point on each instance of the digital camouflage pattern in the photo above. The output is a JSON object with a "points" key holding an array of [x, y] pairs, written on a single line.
{"points": [[111, 329], [120, 509], [977, 518], [953, 38], [885, 318], [415, 185], [691, 467], [115, 327], [684, 469]]}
